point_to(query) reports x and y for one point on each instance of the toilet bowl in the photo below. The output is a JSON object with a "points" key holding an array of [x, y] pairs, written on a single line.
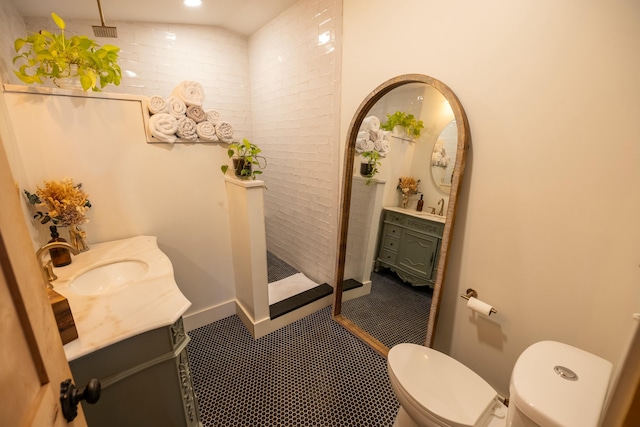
{"points": [[552, 384]]}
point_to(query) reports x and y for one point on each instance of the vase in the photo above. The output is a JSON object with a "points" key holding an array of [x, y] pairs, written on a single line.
{"points": [[78, 238], [366, 170], [72, 82], [405, 200], [242, 168]]}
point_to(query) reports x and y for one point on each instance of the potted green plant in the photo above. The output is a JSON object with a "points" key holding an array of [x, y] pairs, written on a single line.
{"points": [[369, 165], [245, 155], [46, 55], [411, 125]]}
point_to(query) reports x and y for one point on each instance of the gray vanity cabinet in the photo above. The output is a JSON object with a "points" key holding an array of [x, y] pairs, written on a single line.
{"points": [[409, 246], [146, 381]]}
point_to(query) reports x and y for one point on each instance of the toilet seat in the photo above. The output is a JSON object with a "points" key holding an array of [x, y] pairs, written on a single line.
{"points": [[441, 388]]}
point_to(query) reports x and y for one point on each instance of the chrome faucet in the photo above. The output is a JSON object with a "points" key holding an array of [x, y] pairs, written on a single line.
{"points": [[441, 213], [47, 268]]}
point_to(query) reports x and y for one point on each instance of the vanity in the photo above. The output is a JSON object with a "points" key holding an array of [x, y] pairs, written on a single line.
{"points": [[410, 244], [128, 312]]}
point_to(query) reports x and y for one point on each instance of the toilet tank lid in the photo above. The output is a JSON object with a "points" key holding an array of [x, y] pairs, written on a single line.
{"points": [[543, 388], [441, 385]]}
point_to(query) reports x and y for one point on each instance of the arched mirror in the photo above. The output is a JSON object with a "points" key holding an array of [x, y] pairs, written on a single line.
{"points": [[397, 215]]}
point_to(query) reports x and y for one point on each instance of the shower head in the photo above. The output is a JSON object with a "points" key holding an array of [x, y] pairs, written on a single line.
{"points": [[102, 30]]}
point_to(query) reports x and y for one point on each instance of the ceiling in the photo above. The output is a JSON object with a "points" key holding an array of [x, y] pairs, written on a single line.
{"points": [[241, 16]]}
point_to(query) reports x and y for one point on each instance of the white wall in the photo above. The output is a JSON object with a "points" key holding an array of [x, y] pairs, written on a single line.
{"points": [[12, 28], [175, 192], [547, 228], [295, 86]]}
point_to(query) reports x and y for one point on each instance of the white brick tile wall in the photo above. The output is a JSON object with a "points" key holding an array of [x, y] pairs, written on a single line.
{"points": [[12, 27], [294, 116], [155, 57]]}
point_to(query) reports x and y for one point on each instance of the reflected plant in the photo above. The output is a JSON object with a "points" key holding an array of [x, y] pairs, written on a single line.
{"points": [[412, 127], [372, 162]]}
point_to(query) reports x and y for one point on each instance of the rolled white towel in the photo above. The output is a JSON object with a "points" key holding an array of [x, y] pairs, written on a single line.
{"points": [[157, 104], [196, 113], [375, 135], [384, 142], [187, 129], [163, 126], [364, 135], [213, 116], [382, 146], [177, 107], [190, 92], [362, 145], [206, 131], [224, 131], [371, 123]]}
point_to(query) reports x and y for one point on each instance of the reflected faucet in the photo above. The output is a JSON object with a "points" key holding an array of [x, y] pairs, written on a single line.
{"points": [[441, 213], [47, 268]]}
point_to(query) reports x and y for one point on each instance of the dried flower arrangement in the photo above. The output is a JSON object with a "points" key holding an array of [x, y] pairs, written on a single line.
{"points": [[67, 204], [408, 185]]}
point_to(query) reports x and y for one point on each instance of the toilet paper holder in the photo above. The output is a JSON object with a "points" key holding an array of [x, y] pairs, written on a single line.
{"points": [[472, 293]]}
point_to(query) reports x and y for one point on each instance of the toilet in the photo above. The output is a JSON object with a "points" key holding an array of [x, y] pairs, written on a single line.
{"points": [[552, 385]]}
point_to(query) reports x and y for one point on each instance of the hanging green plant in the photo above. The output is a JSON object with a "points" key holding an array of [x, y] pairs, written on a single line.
{"points": [[47, 55], [411, 126]]}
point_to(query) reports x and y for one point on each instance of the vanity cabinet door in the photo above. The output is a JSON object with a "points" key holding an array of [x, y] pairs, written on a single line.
{"points": [[417, 254]]}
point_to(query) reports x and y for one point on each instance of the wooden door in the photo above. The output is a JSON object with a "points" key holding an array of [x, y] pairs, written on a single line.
{"points": [[32, 360]]}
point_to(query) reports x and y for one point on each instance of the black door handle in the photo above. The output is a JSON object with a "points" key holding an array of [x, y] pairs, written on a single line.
{"points": [[70, 396]]}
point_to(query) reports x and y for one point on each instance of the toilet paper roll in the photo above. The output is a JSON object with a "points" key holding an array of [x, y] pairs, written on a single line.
{"points": [[479, 306]]}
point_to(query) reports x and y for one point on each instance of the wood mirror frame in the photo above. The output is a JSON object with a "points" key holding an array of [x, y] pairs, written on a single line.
{"points": [[463, 144]]}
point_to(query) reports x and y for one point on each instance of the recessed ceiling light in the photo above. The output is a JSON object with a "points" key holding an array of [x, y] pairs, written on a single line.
{"points": [[192, 3]]}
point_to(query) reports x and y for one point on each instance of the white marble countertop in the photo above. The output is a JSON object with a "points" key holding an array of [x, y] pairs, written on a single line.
{"points": [[151, 302], [415, 213]]}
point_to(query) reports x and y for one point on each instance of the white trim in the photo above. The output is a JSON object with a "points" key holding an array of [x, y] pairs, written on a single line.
{"points": [[41, 90], [208, 315]]}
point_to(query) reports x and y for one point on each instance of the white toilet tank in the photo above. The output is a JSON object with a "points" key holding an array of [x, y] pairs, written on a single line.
{"points": [[557, 385]]}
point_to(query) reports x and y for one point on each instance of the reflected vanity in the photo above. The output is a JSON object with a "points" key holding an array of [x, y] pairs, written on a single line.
{"points": [[381, 234]]}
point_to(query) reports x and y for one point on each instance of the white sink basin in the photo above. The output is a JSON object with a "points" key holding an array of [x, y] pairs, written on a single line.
{"points": [[109, 276]]}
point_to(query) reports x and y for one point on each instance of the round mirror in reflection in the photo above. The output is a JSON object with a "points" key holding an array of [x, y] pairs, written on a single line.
{"points": [[443, 158]]}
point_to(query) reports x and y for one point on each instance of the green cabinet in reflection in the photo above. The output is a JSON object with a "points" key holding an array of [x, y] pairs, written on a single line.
{"points": [[409, 246]]}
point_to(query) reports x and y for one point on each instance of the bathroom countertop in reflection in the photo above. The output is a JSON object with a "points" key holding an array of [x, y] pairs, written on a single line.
{"points": [[105, 319], [413, 212]]}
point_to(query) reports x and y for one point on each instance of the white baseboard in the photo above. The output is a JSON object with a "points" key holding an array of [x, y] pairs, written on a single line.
{"points": [[263, 327], [209, 315], [363, 290], [258, 328]]}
